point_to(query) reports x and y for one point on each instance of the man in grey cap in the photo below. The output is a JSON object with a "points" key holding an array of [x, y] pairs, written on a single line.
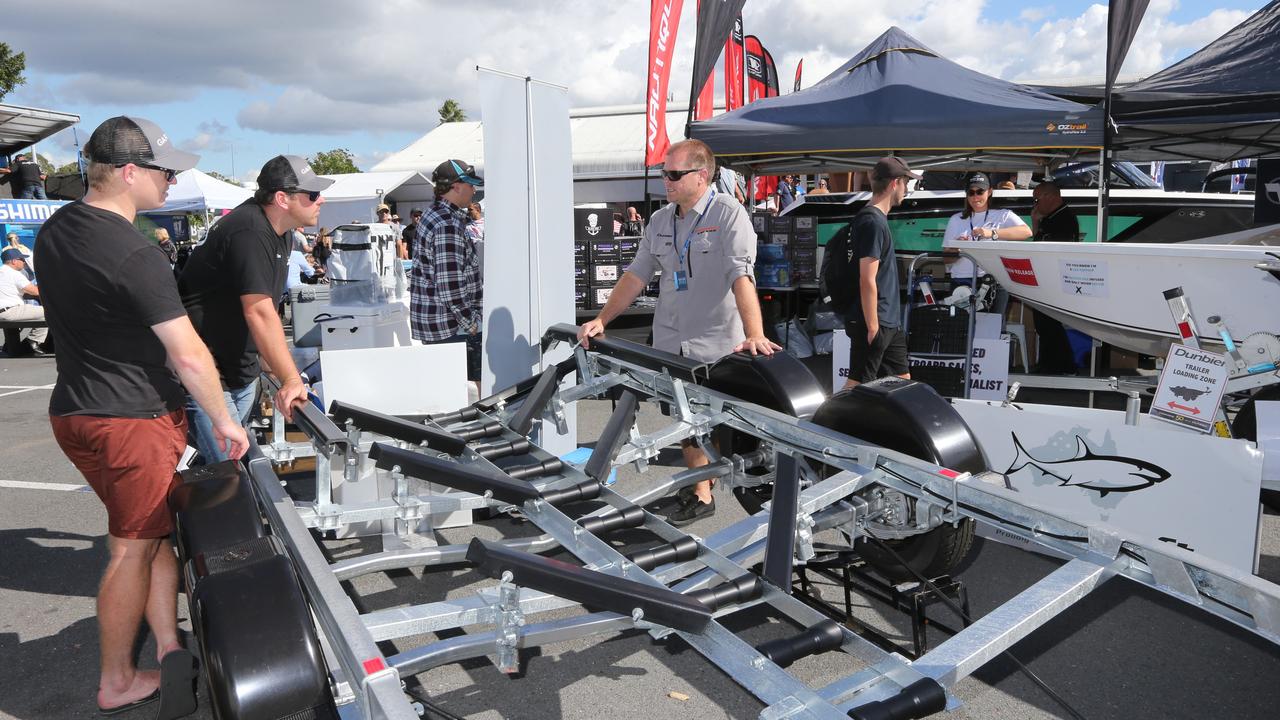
{"points": [[872, 303], [445, 290], [231, 284], [125, 351]]}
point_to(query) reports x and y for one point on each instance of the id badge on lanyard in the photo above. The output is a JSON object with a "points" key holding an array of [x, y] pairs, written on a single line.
{"points": [[680, 278]]}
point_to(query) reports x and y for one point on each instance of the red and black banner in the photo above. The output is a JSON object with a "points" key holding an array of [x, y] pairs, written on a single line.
{"points": [[756, 75], [664, 20], [733, 67], [706, 103], [770, 75], [799, 68]]}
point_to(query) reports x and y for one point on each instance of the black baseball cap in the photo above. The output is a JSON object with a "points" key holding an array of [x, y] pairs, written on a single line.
{"points": [[290, 173], [452, 171], [122, 140], [892, 167], [979, 180]]}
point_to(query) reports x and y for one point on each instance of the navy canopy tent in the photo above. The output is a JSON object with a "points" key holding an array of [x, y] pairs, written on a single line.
{"points": [[899, 97], [1221, 103]]}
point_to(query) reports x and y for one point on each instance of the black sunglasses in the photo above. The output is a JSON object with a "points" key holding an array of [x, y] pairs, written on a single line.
{"points": [[169, 175], [312, 195], [675, 175], [977, 191]]}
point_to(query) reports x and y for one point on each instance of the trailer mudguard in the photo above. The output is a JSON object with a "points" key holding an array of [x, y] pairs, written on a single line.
{"points": [[213, 506], [259, 648]]}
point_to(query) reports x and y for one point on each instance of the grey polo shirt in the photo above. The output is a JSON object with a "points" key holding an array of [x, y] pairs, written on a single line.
{"points": [[702, 321]]}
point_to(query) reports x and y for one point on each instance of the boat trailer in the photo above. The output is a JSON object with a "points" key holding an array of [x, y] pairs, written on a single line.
{"points": [[257, 577]]}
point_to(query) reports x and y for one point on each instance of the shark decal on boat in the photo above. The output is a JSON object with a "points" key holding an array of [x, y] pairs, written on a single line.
{"points": [[1086, 469]]}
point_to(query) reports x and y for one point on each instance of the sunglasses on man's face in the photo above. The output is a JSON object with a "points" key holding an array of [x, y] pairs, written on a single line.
{"points": [[169, 175], [312, 195], [977, 191], [676, 175]]}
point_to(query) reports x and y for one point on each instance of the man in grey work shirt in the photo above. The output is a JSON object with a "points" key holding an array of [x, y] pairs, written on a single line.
{"points": [[705, 246]]}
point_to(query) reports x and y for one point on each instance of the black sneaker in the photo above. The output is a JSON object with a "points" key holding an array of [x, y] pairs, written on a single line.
{"points": [[37, 349], [692, 511]]}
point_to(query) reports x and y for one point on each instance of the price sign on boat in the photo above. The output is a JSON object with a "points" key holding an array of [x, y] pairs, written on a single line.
{"points": [[1191, 387]]}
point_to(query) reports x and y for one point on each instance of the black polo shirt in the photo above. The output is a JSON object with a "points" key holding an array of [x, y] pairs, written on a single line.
{"points": [[243, 255], [28, 172], [1058, 226], [103, 285]]}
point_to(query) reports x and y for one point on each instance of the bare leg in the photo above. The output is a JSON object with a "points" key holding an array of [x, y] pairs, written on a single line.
{"points": [[162, 600], [850, 384], [694, 457], [122, 598]]}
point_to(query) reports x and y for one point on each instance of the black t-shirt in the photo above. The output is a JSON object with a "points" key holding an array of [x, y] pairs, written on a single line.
{"points": [[243, 255], [1059, 226], [409, 233], [103, 286], [28, 172], [872, 239]]}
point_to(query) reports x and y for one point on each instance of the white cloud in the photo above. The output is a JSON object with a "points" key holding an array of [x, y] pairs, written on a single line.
{"points": [[341, 66]]}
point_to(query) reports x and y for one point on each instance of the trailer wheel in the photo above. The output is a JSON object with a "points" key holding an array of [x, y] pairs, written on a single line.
{"points": [[1245, 427], [911, 418]]}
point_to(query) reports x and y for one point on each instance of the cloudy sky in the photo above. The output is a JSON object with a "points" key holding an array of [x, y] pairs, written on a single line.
{"points": [[240, 81]]}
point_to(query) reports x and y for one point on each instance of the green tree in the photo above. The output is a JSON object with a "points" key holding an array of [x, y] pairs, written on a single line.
{"points": [[335, 162], [219, 176], [71, 168], [11, 67], [46, 165], [451, 111]]}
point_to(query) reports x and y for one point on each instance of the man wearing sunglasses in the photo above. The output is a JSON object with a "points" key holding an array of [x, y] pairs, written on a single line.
{"points": [[705, 246], [125, 351], [232, 282]]}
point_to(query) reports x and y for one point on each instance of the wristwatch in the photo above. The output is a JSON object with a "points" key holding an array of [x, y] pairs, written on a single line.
{"points": [[995, 234]]}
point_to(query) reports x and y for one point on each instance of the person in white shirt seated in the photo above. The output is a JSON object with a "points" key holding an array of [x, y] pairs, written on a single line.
{"points": [[14, 288], [977, 222]]}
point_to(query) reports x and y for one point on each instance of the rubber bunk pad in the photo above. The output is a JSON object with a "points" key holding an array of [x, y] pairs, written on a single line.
{"points": [[591, 588], [451, 474], [397, 428]]}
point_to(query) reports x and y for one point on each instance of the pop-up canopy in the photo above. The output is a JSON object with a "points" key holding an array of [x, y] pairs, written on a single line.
{"points": [[899, 97], [197, 192]]}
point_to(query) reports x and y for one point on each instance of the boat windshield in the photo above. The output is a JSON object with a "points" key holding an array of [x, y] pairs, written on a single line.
{"points": [[1085, 175]]}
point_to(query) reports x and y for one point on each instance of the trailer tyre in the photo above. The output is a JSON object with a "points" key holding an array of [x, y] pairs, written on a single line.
{"points": [[911, 418]]}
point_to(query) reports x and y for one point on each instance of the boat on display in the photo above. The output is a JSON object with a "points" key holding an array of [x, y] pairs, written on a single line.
{"points": [[1115, 292]]}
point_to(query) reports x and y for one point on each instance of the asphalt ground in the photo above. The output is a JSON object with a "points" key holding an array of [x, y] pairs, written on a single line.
{"points": [[1122, 652]]}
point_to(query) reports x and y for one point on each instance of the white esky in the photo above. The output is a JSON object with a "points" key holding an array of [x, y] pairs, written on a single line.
{"points": [[240, 81]]}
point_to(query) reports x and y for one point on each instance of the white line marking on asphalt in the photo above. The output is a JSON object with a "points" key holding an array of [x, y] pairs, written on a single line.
{"points": [[25, 485], [17, 389]]}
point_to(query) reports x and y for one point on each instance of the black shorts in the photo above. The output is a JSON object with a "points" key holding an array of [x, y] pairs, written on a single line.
{"points": [[886, 355]]}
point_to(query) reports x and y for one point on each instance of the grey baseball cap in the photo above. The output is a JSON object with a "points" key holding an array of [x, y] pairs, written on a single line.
{"points": [[291, 173], [122, 139]]}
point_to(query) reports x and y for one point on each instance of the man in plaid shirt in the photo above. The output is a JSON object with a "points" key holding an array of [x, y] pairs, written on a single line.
{"points": [[445, 288]]}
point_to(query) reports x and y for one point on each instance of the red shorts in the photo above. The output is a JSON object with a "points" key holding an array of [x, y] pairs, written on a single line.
{"points": [[129, 463]]}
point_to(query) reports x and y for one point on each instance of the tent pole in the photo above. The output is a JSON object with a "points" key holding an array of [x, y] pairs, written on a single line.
{"points": [[1102, 194]]}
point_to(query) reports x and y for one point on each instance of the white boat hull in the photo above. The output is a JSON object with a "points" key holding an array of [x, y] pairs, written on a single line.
{"points": [[1115, 292]]}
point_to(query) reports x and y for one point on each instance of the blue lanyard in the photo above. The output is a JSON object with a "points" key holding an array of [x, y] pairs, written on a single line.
{"points": [[985, 213], [680, 257]]}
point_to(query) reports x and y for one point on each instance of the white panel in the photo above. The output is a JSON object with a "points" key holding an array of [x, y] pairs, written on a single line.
{"points": [[528, 272], [364, 378]]}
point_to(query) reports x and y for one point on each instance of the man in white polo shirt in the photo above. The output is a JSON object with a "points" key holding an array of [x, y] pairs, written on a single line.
{"points": [[14, 289]]}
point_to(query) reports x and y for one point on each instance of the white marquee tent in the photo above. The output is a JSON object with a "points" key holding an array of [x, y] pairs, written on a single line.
{"points": [[196, 192], [608, 151], [354, 197]]}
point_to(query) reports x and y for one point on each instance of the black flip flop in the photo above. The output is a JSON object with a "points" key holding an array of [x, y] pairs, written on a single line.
{"points": [[177, 685], [108, 712]]}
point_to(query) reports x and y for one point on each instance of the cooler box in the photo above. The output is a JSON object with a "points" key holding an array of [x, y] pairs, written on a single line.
{"points": [[307, 301], [355, 327]]}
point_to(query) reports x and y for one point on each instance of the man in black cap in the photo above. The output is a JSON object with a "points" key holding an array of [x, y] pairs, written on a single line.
{"points": [[231, 284], [445, 289], [873, 321], [15, 288], [125, 351]]}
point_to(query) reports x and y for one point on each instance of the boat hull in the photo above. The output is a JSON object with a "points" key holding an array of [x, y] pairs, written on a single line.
{"points": [[1115, 292]]}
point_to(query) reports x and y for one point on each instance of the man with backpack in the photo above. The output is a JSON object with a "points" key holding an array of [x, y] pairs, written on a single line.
{"points": [[860, 275]]}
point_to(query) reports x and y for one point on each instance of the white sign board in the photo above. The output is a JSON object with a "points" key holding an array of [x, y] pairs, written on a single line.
{"points": [[1191, 388], [989, 377], [839, 359], [1149, 482], [1084, 277]]}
